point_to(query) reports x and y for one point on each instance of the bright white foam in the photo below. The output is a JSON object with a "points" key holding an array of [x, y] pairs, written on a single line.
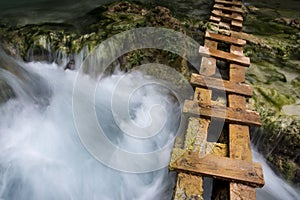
{"points": [[41, 155], [275, 188]]}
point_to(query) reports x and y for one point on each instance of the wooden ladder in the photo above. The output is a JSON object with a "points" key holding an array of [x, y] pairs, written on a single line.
{"points": [[229, 160]]}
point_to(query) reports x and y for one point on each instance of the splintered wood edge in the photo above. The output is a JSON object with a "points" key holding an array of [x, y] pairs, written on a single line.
{"points": [[222, 55], [224, 168], [219, 84], [213, 110]]}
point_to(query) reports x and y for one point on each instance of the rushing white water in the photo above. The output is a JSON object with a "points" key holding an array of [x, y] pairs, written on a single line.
{"points": [[275, 188], [42, 157]]}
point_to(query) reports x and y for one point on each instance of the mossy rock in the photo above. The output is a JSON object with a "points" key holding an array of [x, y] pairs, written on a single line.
{"points": [[43, 41], [6, 92]]}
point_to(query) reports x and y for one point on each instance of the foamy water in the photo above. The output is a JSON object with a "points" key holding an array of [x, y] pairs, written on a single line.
{"points": [[42, 157]]}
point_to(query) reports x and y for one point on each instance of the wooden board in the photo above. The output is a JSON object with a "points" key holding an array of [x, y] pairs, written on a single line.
{"points": [[239, 136], [235, 115], [235, 3], [222, 55], [189, 186], [202, 95], [233, 16], [208, 65], [236, 25], [219, 84], [224, 38], [224, 168], [227, 17], [237, 73], [237, 50], [224, 25], [215, 19], [211, 44], [231, 9]]}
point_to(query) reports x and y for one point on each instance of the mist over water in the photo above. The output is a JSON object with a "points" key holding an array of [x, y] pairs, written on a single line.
{"points": [[275, 188], [42, 157]]}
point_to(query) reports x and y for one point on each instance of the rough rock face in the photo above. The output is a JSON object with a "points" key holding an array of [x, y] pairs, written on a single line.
{"points": [[42, 42], [53, 42], [273, 46], [6, 92], [288, 21]]}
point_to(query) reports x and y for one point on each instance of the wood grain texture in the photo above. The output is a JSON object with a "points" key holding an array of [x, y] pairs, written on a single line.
{"points": [[232, 115], [222, 55], [224, 38], [231, 9], [224, 168], [219, 84], [225, 16]]}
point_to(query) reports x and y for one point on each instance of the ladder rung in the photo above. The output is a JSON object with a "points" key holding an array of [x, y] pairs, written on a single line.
{"points": [[234, 3], [224, 38], [232, 9], [230, 57], [233, 115], [240, 171], [219, 84], [233, 16]]}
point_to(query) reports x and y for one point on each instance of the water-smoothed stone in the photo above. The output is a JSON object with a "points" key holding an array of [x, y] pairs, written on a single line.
{"points": [[6, 92], [41, 42]]}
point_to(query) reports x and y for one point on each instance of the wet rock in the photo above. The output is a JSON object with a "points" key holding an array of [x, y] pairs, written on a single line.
{"points": [[273, 47], [288, 21], [6, 92], [252, 8], [70, 65], [42, 42]]}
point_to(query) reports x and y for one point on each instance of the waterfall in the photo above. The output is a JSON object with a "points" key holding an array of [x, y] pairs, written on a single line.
{"points": [[275, 188], [42, 156]]}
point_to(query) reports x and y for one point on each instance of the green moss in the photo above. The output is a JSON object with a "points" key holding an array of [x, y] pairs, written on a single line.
{"points": [[6, 92], [275, 97]]}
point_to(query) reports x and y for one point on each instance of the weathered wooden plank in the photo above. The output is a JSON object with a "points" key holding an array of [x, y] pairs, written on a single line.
{"points": [[225, 38], [224, 25], [239, 136], [222, 55], [224, 168], [196, 135], [239, 142], [208, 65], [202, 95], [239, 147], [189, 186], [235, 115], [213, 148], [219, 84], [233, 16], [211, 44], [237, 73], [239, 191], [215, 19], [231, 9], [237, 50], [235, 3], [236, 25]]}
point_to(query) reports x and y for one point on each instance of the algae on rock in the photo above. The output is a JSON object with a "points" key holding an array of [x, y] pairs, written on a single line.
{"points": [[273, 47]]}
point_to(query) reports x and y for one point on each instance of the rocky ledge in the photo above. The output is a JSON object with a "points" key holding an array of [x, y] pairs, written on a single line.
{"points": [[273, 45]]}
